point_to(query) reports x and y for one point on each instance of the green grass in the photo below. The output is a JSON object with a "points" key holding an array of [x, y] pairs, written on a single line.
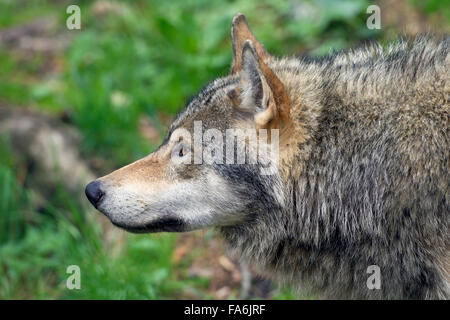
{"points": [[433, 7]]}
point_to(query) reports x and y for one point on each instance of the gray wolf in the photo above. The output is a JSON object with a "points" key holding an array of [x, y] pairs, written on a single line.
{"points": [[362, 176]]}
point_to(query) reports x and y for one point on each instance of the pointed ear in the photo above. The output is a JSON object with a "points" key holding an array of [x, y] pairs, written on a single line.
{"points": [[261, 91], [240, 32]]}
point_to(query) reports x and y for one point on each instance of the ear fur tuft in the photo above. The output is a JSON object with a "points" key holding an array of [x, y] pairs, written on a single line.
{"points": [[240, 32]]}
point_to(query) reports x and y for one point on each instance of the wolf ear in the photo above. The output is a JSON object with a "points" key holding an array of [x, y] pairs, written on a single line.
{"points": [[261, 92], [240, 32]]}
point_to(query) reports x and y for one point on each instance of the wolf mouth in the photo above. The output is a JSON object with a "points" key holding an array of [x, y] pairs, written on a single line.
{"points": [[160, 225]]}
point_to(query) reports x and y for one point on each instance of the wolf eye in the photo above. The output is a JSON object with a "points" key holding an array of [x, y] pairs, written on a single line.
{"points": [[182, 152]]}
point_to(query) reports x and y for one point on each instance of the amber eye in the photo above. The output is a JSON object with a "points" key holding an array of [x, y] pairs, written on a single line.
{"points": [[182, 152]]}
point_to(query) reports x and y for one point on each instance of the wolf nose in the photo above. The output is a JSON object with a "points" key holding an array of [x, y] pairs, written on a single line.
{"points": [[94, 193]]}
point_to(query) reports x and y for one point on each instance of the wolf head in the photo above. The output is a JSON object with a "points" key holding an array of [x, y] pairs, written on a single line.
{"points": [[218, 165]]}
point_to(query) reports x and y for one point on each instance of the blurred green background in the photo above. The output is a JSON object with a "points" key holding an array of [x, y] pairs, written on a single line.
{"points": [[117, 82]]}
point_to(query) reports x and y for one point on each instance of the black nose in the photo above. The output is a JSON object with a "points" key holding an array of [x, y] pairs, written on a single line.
{"points": [[94, 193]]}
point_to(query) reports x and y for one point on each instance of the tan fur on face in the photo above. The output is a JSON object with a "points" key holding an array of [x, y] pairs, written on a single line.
{"points": [[146, 171]]}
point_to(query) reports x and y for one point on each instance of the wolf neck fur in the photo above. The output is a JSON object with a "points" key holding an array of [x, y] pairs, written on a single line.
{"points": [[307, 229]]}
